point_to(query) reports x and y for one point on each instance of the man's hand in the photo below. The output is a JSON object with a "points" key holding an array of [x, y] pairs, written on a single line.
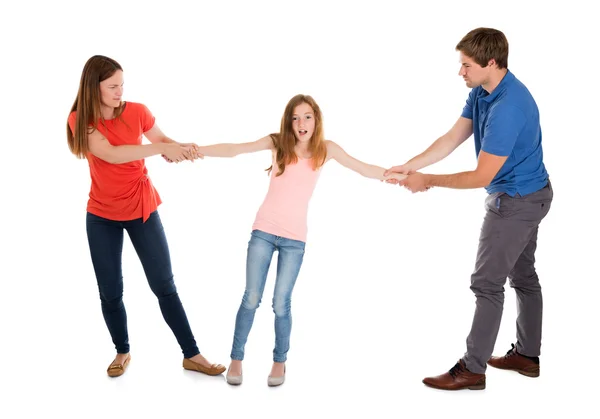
{"points": [[415, 182], [405, 169]]}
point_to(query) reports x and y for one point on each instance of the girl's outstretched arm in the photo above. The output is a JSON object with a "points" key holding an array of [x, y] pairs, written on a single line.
{"points": [[234, 149], [337, 153]]}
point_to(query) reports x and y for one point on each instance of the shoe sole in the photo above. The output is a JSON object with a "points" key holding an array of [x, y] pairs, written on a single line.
{"points": [[475, 387], [528, 373], [194, 366], [531, 374], [275, 383], [233, 382]]}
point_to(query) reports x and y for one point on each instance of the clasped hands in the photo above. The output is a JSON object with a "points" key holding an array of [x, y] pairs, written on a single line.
{"points": [[178, 152], [410, 179]]}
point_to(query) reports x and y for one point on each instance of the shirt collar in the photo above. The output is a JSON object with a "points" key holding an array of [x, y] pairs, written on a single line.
{"points": [[506, 80]]}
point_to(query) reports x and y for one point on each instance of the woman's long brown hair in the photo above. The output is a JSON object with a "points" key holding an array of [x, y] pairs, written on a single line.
{"points": [[88, 104]]}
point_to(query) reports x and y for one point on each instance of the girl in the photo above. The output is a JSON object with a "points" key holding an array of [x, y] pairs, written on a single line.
{"points": [[108, 133], [298, 153]]}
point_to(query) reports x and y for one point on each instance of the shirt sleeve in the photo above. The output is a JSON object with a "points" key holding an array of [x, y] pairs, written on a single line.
{"points": [[503, 127], [147, 119], [468, 109], [71, 121]]}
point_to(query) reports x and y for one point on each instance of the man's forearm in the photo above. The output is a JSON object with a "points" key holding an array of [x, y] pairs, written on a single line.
{"points": [[463, 180], [438, 150]]}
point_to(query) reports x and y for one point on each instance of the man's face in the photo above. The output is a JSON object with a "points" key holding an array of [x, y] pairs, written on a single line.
{"points": [[473, 74]]}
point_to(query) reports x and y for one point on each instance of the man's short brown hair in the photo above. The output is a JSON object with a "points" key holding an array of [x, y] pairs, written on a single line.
{"points": [[484, 44]]}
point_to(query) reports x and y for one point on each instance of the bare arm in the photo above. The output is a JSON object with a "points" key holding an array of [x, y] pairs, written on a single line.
{"points": [[337, 153], [101, 148], [440, 149], [155, 135], [488, 165], [234, 149]]}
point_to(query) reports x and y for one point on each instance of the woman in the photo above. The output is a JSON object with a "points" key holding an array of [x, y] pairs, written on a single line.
{"points": [[108, 133]]}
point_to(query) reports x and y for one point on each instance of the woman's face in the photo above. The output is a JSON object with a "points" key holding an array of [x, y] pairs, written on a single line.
{"points": [[111, 90]]}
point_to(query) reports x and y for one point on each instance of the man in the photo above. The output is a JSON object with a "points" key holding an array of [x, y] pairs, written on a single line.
{"points": [[504, 118]]}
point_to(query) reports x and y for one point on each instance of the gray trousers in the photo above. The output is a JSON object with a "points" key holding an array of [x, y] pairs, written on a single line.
{"points": [[506, 249]]}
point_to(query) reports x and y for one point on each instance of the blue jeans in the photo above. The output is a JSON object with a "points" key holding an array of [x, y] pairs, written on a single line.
{"points": [[260, 252], [105, 238]]}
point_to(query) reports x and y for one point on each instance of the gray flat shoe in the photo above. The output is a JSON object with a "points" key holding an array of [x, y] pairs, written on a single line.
{"points": [[276, 381], [235, 380]]}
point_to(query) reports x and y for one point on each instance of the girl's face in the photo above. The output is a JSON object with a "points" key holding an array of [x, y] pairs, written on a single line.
{"points": [[111, 90], [303, 122]]}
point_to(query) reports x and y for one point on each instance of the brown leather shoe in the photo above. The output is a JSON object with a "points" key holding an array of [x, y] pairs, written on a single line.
{"points": [[215, 369], [458, 378], [516, 362], [116, 370]]}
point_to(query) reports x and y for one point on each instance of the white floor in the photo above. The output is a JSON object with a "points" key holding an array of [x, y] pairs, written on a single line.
{"points": [[151, 388], [362, 340]]}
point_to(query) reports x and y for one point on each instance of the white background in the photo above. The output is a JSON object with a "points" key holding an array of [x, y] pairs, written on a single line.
{"points": [[383, 297]]}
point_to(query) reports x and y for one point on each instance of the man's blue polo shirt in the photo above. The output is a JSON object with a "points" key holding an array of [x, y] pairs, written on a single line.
{"points": [[507, 123]]}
